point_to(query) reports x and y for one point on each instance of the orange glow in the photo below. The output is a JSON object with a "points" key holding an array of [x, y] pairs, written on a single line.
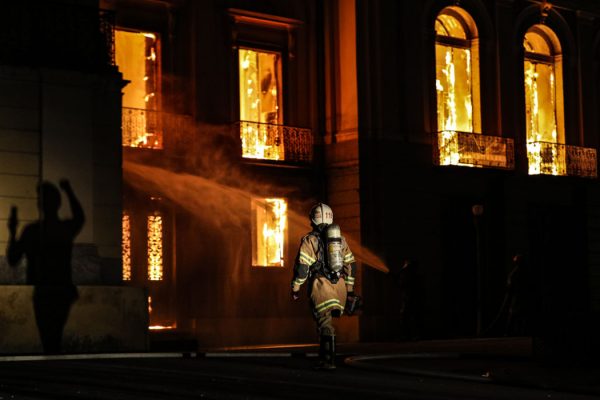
{"points": [[162, 327], [260, 100], [457, 85], [155, 247], [157, 327], [543, 110], [269, 230], [137, 57], [126, 247]]}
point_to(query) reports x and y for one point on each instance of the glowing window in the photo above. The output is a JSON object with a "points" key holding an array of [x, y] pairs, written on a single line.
{"points": [[269, 227], [260, 104], [544, 102], [126, 246], [137, 55], [155, 247], [456, 80]]}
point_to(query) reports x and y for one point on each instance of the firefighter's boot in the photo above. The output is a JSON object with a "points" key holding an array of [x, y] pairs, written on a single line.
{"points": [[326, 353]]}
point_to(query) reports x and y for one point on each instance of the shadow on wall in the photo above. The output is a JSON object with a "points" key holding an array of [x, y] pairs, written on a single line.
{"points": [[47, 245]]}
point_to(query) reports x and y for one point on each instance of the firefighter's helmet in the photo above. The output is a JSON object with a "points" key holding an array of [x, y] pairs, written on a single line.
{"points": [[321, 213]]}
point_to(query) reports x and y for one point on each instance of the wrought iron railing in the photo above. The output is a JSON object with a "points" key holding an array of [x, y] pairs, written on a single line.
{"points": [[57, 35], [156, 130], [275, 142], [545, 158], [582, 161], [473, 150]]}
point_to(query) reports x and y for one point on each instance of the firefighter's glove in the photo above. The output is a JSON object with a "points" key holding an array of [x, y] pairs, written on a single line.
{"points": [[353, 303], [295, 295]]}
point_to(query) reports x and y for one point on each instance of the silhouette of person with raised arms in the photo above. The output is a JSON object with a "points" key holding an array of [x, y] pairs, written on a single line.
{"points": [[47, 245]]}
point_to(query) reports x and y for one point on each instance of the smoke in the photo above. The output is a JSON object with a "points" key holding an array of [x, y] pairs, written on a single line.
{"points": [[223, 206], [219, 192]]}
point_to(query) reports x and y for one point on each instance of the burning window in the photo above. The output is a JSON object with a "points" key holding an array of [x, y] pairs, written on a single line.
{"points": [[126, 246], [155, 247], [137, 55], [269, 227], [543, 102], [260, 104], [456, 80]]}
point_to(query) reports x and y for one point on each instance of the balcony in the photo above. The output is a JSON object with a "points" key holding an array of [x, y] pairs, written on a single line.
{"points": [[273, 142], [473, 150], [156, 130], [546, 158]]}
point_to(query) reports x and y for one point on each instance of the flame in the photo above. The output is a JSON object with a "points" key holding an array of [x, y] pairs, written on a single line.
{"points": [[448, 140], [543, 148], [126, 247], [259, 90], [450, 119], [139, 63], [162, 327], [270, 246], [155, 247]]}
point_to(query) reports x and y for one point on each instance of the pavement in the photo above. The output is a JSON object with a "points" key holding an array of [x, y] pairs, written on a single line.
{"points": [[500, 361]]}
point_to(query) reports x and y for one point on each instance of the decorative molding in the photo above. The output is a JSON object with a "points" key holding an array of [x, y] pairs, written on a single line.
{"points": [[260, 19], [268, 21]]}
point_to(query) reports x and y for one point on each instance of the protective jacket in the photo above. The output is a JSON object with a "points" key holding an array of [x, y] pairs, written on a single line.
{"points": [[309, 266]]}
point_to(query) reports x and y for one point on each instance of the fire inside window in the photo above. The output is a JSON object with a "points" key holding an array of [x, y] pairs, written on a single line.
{"points": [[126, 246], [137, 55], [260, 104], [543, 102], [155, 247], [269, 227], [457, 80]]}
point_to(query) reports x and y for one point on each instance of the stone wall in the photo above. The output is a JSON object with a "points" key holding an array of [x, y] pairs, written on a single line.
{"points": [[102, 319]]}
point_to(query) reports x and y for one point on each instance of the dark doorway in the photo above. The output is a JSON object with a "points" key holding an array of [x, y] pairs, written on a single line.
{"points": [[459, 258], [559, 293]]}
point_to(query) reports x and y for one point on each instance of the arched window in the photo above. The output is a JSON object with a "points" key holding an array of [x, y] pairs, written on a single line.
{"points": [[457, 80], [544, 102]]}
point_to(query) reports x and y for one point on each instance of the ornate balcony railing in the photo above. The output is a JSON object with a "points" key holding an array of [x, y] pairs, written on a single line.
{"points": [[275, 142], [473, 150], [55, 34], [546, 158], [156, 130]]}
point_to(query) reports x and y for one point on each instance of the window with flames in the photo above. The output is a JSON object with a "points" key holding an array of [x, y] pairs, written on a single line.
{"points": [[137, 55], [154, 246], [544, 102], [456, 81], [126, 246], [269, 231], [260, 104]]}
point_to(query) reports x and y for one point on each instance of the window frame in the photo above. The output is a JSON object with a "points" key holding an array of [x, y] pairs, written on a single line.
{"points": [[254, 232], [471, 43]]}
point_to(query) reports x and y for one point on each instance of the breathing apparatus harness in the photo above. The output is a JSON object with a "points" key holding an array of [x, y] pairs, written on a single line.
{"points": [[330, 261], [329, 252]]}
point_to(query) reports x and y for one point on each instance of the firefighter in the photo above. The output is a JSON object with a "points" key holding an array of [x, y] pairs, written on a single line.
{"points": [[327, 265]]}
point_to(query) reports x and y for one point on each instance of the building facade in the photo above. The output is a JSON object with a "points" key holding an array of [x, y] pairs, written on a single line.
{"points": [[478, 141], [455, 134], [61, 121]]}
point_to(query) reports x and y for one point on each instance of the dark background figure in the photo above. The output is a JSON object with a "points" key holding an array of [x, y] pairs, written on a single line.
{"points": [[407, 283], [47, 245], [517, 290], [514, 310]]}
